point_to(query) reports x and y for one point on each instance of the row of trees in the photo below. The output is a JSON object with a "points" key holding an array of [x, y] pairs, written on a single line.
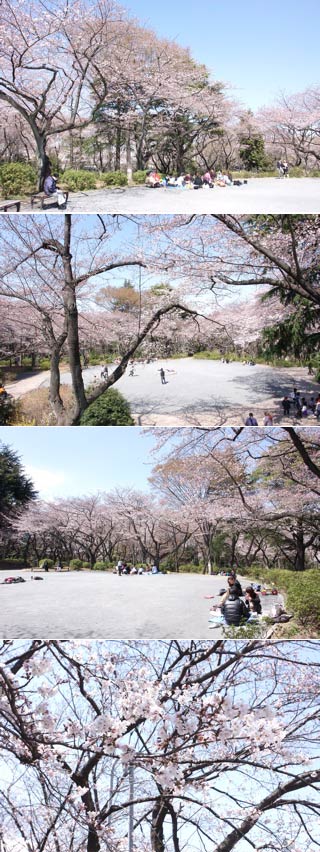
{"points": [[152, 746], [55, 301], [253, 500], [92, 86]]}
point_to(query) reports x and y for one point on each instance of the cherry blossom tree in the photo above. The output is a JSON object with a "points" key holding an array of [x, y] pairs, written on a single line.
{"points": [[291, 127], [50, 63], [213, 741], [53, 268]]}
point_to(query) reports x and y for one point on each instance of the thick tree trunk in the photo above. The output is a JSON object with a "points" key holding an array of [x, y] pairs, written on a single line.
{"points": [[71, 313], [117, 160], [159, 813], [54, 387], [300, 557]]}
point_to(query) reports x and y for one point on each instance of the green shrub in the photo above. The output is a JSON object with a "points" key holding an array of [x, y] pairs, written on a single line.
{"points": [[114, 178], [9, 411], [297, 171], [76, 563], [86, 566], [303, 597], [50, 562], [139, 176], [44, 364], [110, 409], [6, 564], [17, 179], [190, 568], [211, 355], [101, 566], [78, 179]]}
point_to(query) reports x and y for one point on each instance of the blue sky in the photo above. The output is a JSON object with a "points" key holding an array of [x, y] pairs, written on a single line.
{"points": [[64, 462], [261, 48]]}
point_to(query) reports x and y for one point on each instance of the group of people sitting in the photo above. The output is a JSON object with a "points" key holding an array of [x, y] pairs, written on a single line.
{"points": [[187, 181], [232, 610], [301, 406], [125, 568]]}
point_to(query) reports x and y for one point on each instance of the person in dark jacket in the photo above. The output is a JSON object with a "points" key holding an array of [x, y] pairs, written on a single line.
{"points": [[234, 610], [252, 601], [233, 583]]}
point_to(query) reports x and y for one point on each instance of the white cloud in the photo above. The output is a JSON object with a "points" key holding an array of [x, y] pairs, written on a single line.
{"points": [[48, 482]]}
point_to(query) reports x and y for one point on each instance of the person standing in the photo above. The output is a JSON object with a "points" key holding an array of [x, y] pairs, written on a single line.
{"points": [[286, 402], [162, 376]]}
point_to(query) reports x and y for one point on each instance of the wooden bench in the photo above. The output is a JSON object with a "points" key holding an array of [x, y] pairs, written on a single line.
{"points": [[8, 204], [42, 198]]}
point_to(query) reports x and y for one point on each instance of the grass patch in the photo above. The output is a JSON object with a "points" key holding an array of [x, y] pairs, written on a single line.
{"points": [[35, 408]]}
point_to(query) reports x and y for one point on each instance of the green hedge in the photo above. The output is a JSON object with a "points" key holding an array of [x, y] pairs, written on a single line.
{"points": [[114, 178], [101, 566], [303, 597], [9, 411], [50, 562], [139, 176], [190, 568], [302, 591], [78, 179], [110, 409], [76, 563], [17, 179], [6, 564]]}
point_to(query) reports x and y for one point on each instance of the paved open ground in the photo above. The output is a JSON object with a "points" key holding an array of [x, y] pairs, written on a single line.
{"points": [[259, 195], [104, 606], [202, 392]]}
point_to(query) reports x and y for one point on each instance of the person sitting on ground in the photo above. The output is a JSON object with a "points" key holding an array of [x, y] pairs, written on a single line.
{"points": [[3, 392], [234, 609], [207, 179], [172, 181], [251, 420], [268, 419], [153, 179], [252, 601], [233, 585], [198, 182]]}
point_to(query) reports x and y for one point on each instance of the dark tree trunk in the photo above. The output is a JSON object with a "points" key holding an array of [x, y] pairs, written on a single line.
{"points": [[54, 387], [300, 557], [159, 813], [71, 312]]}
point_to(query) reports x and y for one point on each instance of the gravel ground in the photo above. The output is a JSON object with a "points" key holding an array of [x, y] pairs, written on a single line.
{"points": [[105, 606], [260, 195], [203, 392]]}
